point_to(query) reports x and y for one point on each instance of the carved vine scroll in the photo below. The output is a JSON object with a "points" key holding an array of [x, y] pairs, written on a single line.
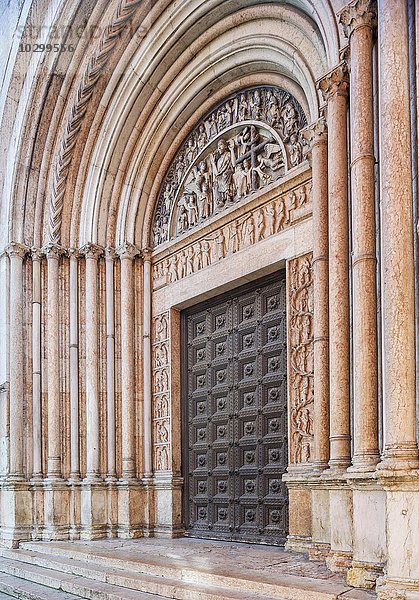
{"points": [[161, 393], [301, 371], [245, 143]]}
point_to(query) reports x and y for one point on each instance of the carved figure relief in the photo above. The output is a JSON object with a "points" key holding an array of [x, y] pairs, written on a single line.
{"points": [[247, 142], [161, 391], [240, 233], [301, 371]]}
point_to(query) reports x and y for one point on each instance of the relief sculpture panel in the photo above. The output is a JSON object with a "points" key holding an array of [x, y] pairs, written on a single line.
{"points": [[161, 393], [301, 370], [240, 233], [250, 140]]}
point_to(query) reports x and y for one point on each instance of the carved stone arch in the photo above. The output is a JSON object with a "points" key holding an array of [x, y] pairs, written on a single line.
{"points": [[249, 140]]}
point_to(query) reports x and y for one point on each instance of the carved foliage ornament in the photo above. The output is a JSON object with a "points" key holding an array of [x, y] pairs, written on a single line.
{"points": [[245, 143], [300, 286]]}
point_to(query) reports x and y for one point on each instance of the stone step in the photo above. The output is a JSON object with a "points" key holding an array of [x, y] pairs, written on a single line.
{"points": [[174, 577], [94, 581], [14, 587]]}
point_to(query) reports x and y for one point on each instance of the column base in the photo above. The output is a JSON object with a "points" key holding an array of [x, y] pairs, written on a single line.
{"points": [[168, 505], [339, 561], [93, 515], [130, 508], [75, 507], [364, 575], [16, 512], [56, 510], [299, 543], [319, 551], [37, 485], [111, 484], [393, 589]]}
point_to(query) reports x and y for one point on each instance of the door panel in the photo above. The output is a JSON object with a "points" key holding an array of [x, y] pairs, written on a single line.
{"points": [[235, 398]]}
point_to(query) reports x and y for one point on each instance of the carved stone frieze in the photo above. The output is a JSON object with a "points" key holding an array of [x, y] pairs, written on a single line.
{"points": [[161, 393], [301, 370], [248, 141], [235, 236]]}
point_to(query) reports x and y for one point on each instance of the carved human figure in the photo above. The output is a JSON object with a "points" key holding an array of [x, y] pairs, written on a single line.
{"points": [[167, 196], [270, 218], [192, 208], [296, 151], [180, 168], [161, 328], [190, 256], [234, 235], [173, 268], [206, 253], [212, 126], [202, 137], [161, 407], [281, 216], [260, 224], [162, 458], [181, 267], [223, 162], [289, 116], [272, 111], [243, 107], [182, 220], [221, 244], [160, 356], [190, 151], [162, 432], [249, 231], [256, 105], [243, 178], [244, 140]]}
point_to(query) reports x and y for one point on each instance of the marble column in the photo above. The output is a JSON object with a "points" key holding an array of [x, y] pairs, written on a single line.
{"points": [[110, 361], [74, 366], [400, 445], [56, 493], [37, 256], [127, 253], [53, 253], [334, 87], [358, 20], [131, 503], [316, 135], [16, 253], [92, 252], [93, 494], [148, 442]]}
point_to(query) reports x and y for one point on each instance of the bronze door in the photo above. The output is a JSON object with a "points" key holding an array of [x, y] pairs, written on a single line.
{"points": [[235, 417]]}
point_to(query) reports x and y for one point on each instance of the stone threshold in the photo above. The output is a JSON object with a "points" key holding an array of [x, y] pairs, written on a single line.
{"points": [[184, 569]]}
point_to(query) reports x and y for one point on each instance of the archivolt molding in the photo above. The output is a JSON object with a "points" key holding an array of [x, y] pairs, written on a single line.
{"points": [[123, 13]]}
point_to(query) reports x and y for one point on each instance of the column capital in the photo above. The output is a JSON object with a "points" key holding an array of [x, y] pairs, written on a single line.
{"points": [[316, 132], [91, 250], [146, 254], [37, 253], [358, 13], [73, 253], [110, 253], [16, 249], [127, 250], [334, 83], [52, 250]]}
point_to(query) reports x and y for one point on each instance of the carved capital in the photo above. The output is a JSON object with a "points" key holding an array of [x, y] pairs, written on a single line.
{"points": [[92, 251], [14, 249], [358, 13], [37, 254], [336, 82], [53, 251], [146, 254], [315, 133], [110, 253], [127, 250], [73, 253]]}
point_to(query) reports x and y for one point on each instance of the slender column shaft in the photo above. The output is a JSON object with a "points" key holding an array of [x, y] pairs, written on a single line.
{"points": [[36, 364], [16, 253], [358, 21], [397, 238], [148, 448], [74, 367], [334, 87], [110, 360], [92, 253], [316, 134], [53, 253], [127, 252]]}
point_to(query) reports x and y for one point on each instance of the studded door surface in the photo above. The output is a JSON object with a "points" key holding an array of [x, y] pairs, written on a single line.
{"points": [[235, 397]]}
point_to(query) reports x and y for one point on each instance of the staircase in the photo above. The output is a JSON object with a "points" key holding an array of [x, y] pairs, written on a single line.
{"points": [[154, 569]]}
